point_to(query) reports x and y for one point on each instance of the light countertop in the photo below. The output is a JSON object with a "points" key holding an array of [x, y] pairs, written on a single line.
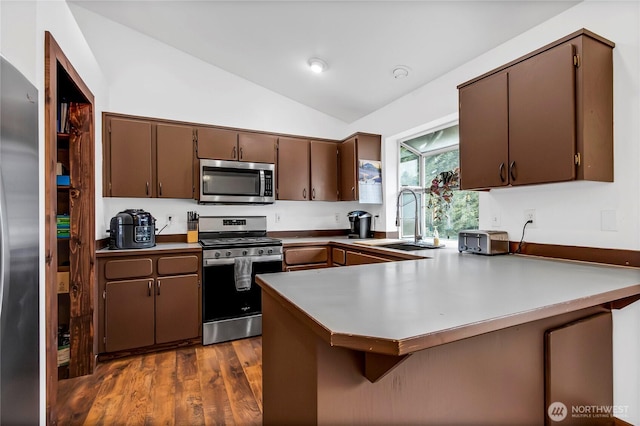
{"points": [[401, 307], [159, 247]]}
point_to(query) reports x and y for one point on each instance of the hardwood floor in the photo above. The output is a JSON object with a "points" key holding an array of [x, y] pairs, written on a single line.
{"points": [[199, 385]]}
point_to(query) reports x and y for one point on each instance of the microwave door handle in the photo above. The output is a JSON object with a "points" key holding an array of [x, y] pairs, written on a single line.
{"points": [[262, 183]]}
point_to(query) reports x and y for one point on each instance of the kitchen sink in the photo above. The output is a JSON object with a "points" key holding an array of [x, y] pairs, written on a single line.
{"points": [[408, 246]]}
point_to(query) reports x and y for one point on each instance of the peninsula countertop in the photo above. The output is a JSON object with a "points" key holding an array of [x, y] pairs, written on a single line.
{"points": [[398, 308]]}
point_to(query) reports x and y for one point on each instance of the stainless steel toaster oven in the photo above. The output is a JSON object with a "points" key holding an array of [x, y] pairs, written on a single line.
{"points": [[483, 242]]}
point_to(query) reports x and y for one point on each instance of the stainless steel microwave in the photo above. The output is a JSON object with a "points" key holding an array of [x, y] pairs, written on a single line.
{"points": [[236, 182]]}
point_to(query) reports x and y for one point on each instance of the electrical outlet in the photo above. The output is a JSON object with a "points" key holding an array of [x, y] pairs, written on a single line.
{"points": [[277, 217], [530, 215], [170, 218], [495, 220], [337, 215]]}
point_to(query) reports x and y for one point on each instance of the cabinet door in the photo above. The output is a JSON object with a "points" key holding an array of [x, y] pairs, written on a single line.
{"points": [[484, 133], [542, 118], [368, 147], [324, 171], [256, 148], [338, 256], [130, 153], [129, 314], [293, 169], [174, 161], [177, 308], [217, 144], [348, 170]]}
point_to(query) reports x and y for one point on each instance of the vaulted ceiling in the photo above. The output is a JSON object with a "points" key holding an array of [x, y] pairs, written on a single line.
{"points": [[270, 42]]}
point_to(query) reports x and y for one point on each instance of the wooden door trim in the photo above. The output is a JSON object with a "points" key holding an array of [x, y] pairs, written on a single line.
{"points": [[54, 56]]}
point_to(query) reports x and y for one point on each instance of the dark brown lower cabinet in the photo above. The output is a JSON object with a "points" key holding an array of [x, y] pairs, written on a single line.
{"points": [[150, 311], [355, 258], [299, 258], [129, 314], [579, 372], [148, 300], [176, 297]]}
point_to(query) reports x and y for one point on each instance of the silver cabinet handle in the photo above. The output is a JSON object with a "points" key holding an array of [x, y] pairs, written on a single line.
{"points": [[313, 194], [158, 287], [304, 193], [233, 153], [149, 289], [353, 192], [160, 184], [501, 171], [147, 187], [241, 153]]}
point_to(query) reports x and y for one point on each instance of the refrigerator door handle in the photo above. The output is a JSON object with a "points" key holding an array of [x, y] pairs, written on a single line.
{"points": [[4, 247]]}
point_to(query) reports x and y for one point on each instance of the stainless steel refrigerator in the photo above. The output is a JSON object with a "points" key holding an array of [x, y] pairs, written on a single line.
{"points": [[19, 249]]}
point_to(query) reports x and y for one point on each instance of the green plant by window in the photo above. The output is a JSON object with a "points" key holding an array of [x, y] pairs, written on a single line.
{"points": [[440, 195]]}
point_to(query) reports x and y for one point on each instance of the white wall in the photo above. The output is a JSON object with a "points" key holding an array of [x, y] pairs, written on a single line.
{"points": [[567, 213], [17, 29]]}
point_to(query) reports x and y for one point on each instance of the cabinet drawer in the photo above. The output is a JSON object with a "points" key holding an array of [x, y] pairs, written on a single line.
{"points": [[306, 255], [354, 258], [130, 268], [176, 265], [338, 256]]}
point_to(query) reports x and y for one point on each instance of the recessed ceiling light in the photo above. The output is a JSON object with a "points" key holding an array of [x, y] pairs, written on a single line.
{"points": [[317, 65], [400, 72]]}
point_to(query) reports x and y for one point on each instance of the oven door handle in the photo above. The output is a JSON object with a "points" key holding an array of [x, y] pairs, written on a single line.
{"points": [[254, 259]]}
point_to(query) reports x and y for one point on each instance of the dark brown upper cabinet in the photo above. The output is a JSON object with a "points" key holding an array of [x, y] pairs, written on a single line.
{"points": [[174, 161], [217, 144], [129, 158], [293, 169], [545, 117], [360, 146], [307, 170], [257, 147], [347, 154], [223, 144], [146, 159], [324, 171]]}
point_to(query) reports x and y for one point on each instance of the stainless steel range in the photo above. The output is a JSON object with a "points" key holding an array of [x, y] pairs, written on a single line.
{"points": [[234, 249]]}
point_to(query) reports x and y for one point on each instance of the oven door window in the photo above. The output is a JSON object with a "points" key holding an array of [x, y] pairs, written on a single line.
{"points": [[226, 181], [221, 300]]}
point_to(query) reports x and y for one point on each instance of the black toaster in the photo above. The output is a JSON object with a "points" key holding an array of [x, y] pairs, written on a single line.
{"points": [[132, 229]]}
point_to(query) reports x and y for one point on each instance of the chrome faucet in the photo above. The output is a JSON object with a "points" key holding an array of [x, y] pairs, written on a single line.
{"points": [[416, 232]]}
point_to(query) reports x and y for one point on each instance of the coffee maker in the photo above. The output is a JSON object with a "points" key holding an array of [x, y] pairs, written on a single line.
{"points": [[360, 224]]}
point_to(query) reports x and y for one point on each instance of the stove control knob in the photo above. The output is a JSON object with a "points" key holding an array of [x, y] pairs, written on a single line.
{"points": [[260, 251], [244, 252], [270, 251], [228, 253], [217, 254]]}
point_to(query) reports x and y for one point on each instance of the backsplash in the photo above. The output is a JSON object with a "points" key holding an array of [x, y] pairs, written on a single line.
{"points": [[281, 216]]}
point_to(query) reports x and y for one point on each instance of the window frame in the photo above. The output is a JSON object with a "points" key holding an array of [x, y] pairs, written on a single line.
{"points": [[422, 189]]}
